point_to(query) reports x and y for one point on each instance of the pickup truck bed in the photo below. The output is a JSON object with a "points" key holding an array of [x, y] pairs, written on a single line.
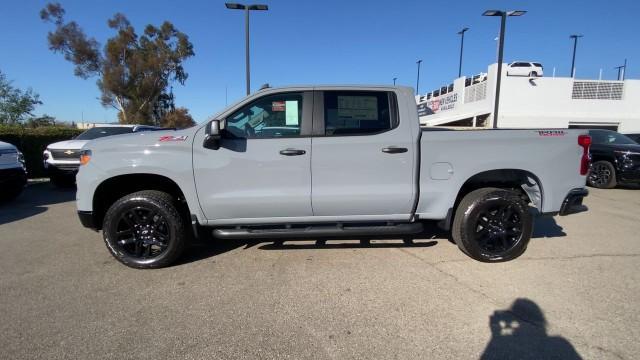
{"points": [[326, 161]]}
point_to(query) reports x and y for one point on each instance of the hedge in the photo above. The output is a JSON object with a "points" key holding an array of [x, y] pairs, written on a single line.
{"points": [[33, 141]]}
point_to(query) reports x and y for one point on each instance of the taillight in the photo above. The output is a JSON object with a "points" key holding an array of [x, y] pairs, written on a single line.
{"points": [[585, 142]]}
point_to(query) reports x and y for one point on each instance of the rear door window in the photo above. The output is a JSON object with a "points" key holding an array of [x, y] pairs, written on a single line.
{"points": [[356, 112]]}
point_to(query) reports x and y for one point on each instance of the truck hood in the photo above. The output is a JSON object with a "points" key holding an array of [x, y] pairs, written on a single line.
{"points": [[144, 139], [68, 144]]}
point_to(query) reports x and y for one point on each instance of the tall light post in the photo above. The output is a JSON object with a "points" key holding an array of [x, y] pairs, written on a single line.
{"points": [[622, 69], [418, 79], [394, 81], [503, 20], [461, 33], [246, 8], [573, 59]]}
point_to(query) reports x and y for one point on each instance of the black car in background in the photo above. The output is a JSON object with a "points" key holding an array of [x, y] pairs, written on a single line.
{"points": [[615, 159]]}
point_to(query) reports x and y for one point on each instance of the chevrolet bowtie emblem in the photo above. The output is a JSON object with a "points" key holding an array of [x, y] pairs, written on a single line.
{"points": [[69, 152]]}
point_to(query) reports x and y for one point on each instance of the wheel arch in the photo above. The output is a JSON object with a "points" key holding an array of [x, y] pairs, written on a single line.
{"points": [[111, 189], [517, 179]]}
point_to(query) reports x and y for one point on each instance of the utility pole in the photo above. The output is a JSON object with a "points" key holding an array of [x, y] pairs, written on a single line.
{"points": [[573, 59], [503, 21], [418, 79], [246, 8], [461, 33]]}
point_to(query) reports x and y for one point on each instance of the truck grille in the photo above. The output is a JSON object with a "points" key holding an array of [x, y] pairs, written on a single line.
{"points": [[65, 154]]}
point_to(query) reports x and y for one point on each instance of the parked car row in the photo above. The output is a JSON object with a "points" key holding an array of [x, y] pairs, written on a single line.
{"points": [[61, 159]]}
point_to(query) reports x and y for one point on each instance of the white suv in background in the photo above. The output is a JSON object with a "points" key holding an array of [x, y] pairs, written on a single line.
{"points": [[62, 159], [525, 68]]}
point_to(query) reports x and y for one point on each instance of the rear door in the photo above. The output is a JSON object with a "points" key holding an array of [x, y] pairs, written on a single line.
{"points": [[363, 157]]}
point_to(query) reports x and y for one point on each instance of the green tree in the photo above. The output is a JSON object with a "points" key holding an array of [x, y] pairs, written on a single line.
{"points": [[134, 70], [178, 118], [15, 104]]}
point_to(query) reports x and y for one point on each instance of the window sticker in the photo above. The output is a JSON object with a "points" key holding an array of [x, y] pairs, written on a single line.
{"points": [[278, 106], [291, 114], [358, 107]]}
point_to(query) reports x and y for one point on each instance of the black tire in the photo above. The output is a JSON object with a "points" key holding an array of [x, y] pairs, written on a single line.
{"points": [[602, 175], [492, 225], [144, 230], [63, 181], [533, 74]]}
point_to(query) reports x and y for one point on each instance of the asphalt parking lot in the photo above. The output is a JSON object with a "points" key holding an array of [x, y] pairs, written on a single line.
{"points": [[575, 293]]}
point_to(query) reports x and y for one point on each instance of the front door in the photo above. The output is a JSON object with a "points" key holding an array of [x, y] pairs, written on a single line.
{"points": [[261, 172]]}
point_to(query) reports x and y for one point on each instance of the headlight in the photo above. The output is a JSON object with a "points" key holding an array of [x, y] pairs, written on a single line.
{"points": [[85, 157], [21, 157]]}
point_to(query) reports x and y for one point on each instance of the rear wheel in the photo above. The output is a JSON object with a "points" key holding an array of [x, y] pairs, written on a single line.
{"points": [[533, 74], [492, 225], [145, 230], [602, 175]]}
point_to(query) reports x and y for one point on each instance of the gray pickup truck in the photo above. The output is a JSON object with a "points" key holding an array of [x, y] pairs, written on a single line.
{"points": [[311, 162]]}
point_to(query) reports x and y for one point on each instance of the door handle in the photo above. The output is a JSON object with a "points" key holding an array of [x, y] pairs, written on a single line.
{"points": [[292, 152], [394, 150]]}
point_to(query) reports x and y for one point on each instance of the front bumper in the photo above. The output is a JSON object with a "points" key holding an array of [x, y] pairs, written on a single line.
{"points": [[572, 204], [62, 169], [86, 219]]}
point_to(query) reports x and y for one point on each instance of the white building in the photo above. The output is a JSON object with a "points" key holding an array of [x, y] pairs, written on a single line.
{"points": [[534, 102]]}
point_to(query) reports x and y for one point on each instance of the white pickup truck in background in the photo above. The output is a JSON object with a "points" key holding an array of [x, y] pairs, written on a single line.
{"points": [[320, 161]]}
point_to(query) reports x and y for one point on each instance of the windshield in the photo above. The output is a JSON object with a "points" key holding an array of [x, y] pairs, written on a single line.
{"points": [[609, 137], [98, 132]]}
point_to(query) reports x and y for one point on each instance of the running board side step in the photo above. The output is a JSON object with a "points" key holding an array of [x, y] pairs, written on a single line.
{"points": [[318, 231]]}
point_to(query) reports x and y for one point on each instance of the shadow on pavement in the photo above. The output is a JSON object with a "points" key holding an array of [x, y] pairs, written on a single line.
{"points": [[34, 200], [520, 332], [547, 227]]}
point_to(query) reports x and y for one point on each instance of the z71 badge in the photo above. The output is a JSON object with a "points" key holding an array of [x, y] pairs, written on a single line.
{"points": [[172, 138], [551, 132]]}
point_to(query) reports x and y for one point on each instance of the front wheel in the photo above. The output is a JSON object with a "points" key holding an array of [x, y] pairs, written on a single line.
{"points": [[144, 230], [492, 225]]}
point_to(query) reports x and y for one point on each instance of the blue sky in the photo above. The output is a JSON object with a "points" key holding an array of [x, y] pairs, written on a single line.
{"points": [[329, 41]]}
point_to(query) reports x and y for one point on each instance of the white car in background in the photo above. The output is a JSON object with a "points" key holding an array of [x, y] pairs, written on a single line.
{"points": [[62, 159], [13, 172], [525, 68]]}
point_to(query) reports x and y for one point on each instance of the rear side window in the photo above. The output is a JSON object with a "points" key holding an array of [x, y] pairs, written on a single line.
{"points": [[537, 64], [356, 112]]}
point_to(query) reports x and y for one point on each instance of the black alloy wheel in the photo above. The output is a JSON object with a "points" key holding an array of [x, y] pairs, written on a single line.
{"points": [[602, 175], [142, 232], [498, 228], [492, 224], [145, 230]]}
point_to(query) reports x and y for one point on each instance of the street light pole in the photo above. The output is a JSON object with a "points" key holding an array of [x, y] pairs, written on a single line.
{"points": [[573, 59], [461, 33], [418, 79], [246, 8], [503, 21], [394, 81]]}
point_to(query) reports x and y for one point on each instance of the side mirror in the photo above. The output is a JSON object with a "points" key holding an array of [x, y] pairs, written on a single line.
{"points": [[212, 135]]}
